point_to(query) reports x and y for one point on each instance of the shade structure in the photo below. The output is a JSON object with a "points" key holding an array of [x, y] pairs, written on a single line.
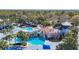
{"points": [[46, 47], [1, 20], [64, 31], [66, 24]]}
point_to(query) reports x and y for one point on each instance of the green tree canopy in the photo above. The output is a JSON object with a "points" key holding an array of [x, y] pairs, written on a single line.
{"points": [[23, 36], [69, 43], [3, 44]]}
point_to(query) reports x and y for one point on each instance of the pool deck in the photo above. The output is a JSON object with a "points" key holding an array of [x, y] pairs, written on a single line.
{"points": [[31, 46], [40, 47]]}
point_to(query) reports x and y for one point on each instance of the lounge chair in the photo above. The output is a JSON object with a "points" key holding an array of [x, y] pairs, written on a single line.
{"points": [[46, 47], [15, 47]]}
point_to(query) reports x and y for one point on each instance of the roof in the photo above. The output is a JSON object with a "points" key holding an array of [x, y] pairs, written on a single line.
{"points": [[66, 24], [47, 30]]}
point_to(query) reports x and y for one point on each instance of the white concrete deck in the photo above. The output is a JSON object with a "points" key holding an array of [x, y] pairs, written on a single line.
{"points": [[33, 47], [52, 44], [2, 35]]}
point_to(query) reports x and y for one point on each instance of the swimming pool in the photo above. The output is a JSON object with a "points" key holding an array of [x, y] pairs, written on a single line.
{"points": [[36, 41], [33, 40], [28, 28]]}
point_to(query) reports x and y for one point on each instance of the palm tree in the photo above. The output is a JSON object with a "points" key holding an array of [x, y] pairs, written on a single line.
{"points": [[23, 36], [10, 37], [70, 43], [14, 36], [75, 32], [1, 23], [3, 44]]}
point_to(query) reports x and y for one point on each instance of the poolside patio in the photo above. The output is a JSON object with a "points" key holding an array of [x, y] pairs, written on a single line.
{"points": [[40, 47]]}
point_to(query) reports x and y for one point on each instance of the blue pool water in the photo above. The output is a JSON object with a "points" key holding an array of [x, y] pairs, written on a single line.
{"points": [[18, 40], [36, 41], [28, 28], [33, 40]]}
